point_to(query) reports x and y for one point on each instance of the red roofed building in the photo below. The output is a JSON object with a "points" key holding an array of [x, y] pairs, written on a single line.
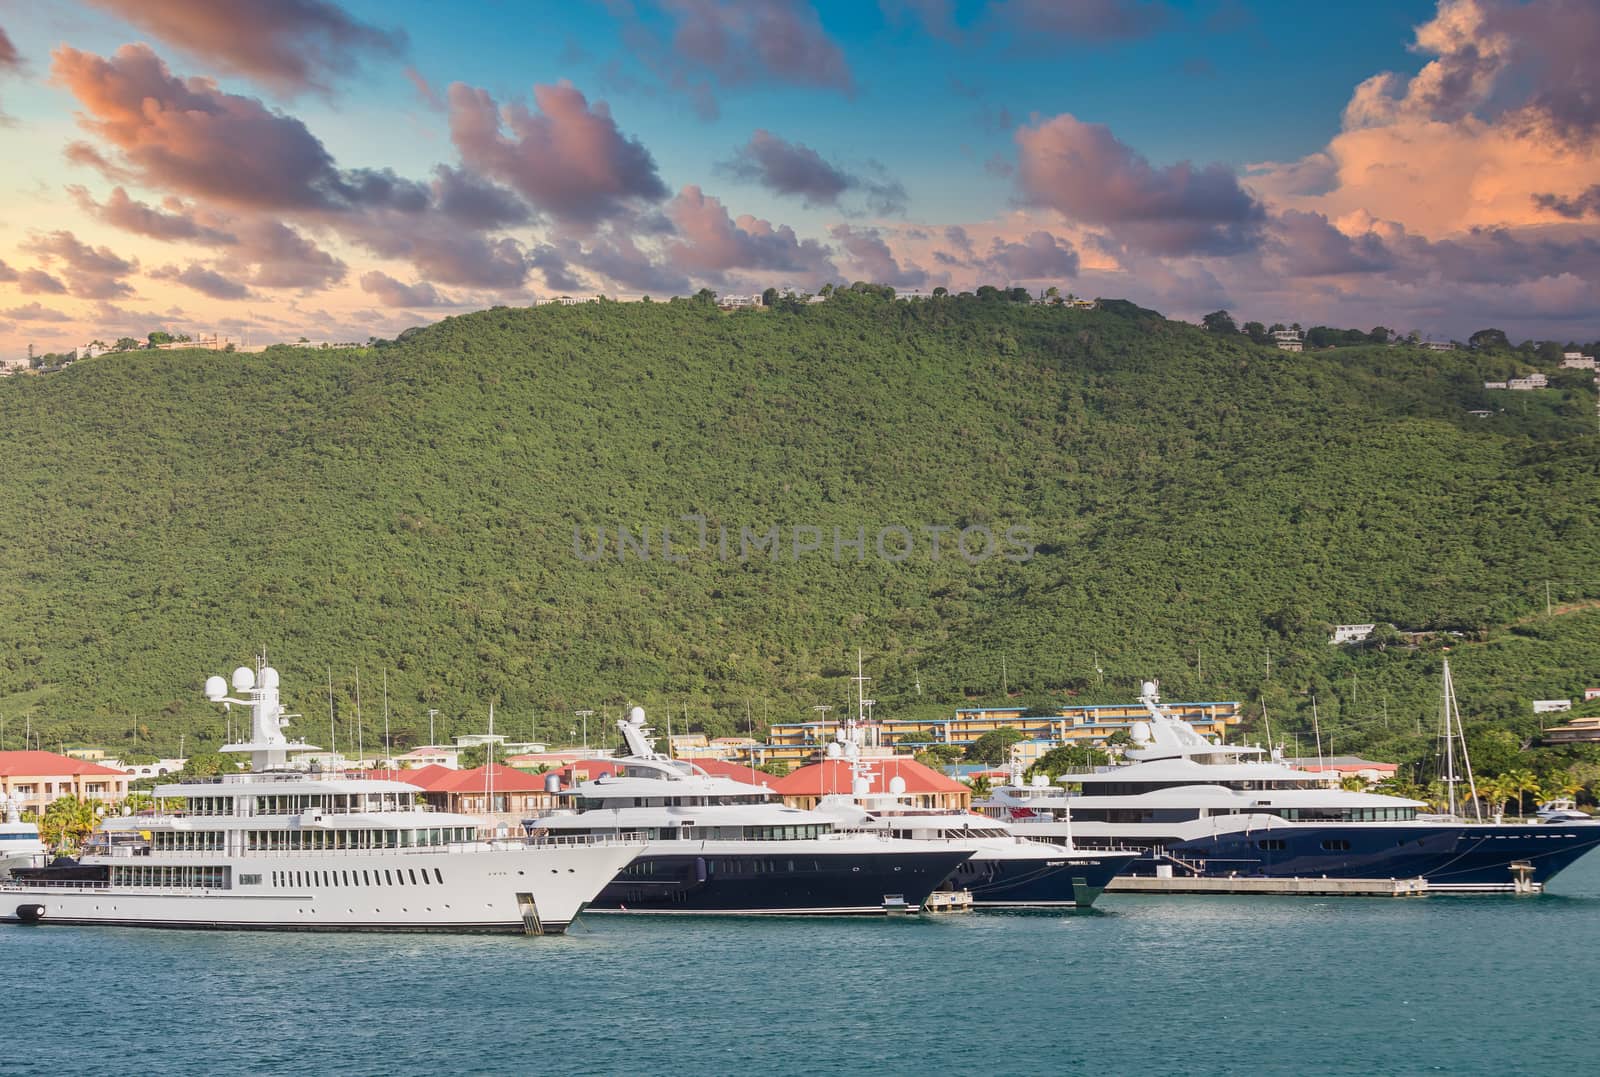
{"points": [[468, 792], [35, 779], [721, 768], [926, 787]]}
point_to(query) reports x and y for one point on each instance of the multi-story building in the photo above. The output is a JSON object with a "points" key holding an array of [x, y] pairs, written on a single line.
{"points": [[36, 779]]}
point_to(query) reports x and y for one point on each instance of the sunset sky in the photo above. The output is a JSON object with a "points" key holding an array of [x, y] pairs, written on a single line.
{"points": [[287, 168]]}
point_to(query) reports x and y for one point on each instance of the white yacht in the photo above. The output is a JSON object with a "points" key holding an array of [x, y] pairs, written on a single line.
{"points": [[1004, 870], [1214, 810], [715, 845], [284, 849], [20, 845]]}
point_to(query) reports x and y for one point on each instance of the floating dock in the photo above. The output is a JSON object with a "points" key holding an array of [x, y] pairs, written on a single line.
{"points": [[1127, 884]]}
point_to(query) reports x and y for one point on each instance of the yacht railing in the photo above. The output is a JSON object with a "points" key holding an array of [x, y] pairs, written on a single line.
{"points": [[508, 843]]}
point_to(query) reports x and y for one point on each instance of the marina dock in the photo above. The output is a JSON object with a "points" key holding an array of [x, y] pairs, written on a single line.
{"points": [[1256, 885]]}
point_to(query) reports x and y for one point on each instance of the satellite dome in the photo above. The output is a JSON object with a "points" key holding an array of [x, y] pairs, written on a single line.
{"points": [[636, 716], [1040, 781], [861, 787], [269, 678], [1149, 688], [243, 679], [897, 785], [833, 749], [1140, 733], [216, 688]]}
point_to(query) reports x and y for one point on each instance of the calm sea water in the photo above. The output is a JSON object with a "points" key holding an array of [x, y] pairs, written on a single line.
{"points": [[1172, 985]]}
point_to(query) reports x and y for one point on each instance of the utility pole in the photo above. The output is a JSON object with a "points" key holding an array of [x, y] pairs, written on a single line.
{"points": [[433, 712], [584, 714], [1547, 598]]}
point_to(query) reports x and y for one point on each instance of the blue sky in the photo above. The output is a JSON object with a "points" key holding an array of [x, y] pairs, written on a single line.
{"points": [[1346, 164]]}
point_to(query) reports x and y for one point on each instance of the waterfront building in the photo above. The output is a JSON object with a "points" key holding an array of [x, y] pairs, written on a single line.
{"points": [[36, 779], [914, 783]]}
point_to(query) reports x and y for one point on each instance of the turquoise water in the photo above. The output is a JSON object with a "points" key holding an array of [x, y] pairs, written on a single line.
{"points": [[1171, 985]]}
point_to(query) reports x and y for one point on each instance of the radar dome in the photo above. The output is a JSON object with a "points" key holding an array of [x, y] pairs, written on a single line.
{"points": [[1040, 781], [243, 679], [897, 785], [833, 749], [861, 787], [1149, 688], [216, 688], [269, 678], [636, 716], [1140, 733]]}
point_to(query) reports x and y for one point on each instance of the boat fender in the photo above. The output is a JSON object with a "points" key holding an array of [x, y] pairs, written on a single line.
{"points": [[30, 914]]}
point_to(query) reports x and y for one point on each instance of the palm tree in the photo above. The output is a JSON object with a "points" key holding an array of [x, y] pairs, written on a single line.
{"points": [[1522, 782], [1494, 793], [68, 821], [1353, 783]]}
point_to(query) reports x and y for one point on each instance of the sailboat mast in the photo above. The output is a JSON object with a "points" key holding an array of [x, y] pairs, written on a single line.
{"points": [[1449, 743]]}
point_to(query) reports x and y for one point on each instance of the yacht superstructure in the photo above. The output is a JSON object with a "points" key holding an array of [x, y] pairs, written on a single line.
{"points": [[1204, 809], [1005, 870], [20, 845], [715, 845], [276, 848]]}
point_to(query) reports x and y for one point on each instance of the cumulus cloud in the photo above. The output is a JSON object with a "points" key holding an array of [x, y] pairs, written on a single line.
{"points": [[1083, 171], [208, 282], [872, 259], [1584, 204], [90, 272], [711, 242], [289, 45], [1039, 256], [793, 168], [188, 136], [1310, 246], [393, 293], [10, 59], [472, 201], [276, 256], [35, 312], [176, 222], [38, 282], [568, 159], [7, 274], [719, 45], [617, 256]]}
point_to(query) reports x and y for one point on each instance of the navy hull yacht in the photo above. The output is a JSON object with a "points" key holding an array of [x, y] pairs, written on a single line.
{"points": [[1210, 810], [718, 846]]}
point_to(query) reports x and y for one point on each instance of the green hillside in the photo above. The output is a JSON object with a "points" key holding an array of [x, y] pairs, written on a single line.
{"points": [[1201, 507]]}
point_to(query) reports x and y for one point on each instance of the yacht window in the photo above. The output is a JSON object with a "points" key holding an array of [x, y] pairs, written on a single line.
{"points": [[440, 876], [1336, 845]]}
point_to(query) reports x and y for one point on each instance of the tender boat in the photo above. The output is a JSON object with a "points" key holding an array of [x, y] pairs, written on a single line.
{"points": [[276, 848], [1212, 810], [714, 845]]}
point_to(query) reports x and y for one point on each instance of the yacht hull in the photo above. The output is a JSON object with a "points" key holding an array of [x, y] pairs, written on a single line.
{"points": [[778, 882], [469, 891], [1062, 881], [1466, 857]]}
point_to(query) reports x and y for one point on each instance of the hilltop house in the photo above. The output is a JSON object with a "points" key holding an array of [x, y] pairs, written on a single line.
{"points": [[1577, 361], [1288, 340]]}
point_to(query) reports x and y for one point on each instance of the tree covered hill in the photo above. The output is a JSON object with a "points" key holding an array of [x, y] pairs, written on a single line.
{"points": [[1200, 506]]}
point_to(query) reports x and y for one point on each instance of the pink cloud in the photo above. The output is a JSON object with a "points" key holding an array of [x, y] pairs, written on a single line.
{"points": [[1082, 171], [394, 293], [208, 282], [710, 242], [569, 159], [289, 45]]}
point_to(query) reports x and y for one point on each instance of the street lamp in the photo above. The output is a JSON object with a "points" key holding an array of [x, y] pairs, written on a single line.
{"points": [[432, 713], [584, 714]]}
